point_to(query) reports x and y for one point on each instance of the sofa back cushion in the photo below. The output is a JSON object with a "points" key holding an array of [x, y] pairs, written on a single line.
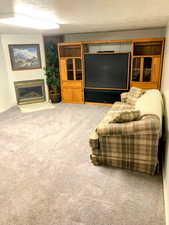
{"points": [[151, 103], [125, 116], [134, 94]]}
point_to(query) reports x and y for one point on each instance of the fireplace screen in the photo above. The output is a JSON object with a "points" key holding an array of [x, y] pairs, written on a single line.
{"points": [[30, 91]]}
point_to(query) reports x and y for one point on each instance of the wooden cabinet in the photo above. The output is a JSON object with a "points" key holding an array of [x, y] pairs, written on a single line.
{"points": [[146, 64], [144, 67], [145, 72], [71, 74], [72, 91], [72, 95]]}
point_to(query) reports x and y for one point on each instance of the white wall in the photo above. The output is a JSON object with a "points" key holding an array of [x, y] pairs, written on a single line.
{"points": [[165, 91], [116, 35], [23, 74], [5, 101]]}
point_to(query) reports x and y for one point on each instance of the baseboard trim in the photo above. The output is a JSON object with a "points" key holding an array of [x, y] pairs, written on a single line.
{"points": [[166, 203]]}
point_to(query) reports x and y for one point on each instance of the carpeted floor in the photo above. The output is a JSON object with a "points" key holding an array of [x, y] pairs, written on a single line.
{"points": [[46, 177]]}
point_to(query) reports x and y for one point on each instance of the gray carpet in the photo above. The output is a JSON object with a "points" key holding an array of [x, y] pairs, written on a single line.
{"points": [[46, 177]]}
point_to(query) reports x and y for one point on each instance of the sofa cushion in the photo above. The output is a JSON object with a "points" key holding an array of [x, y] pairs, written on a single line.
{"points": [[125, 116], [151, 103], [120, 106], [134, 94]]}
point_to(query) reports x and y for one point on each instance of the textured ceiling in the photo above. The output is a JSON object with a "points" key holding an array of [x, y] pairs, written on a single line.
{"points": [[77, 16]]}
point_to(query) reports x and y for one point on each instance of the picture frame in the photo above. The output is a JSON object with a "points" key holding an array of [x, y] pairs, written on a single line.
{"points": [[25, 56]]}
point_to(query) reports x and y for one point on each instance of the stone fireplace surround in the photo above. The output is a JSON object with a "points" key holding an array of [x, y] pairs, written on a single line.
{"points": [[30, 91]]}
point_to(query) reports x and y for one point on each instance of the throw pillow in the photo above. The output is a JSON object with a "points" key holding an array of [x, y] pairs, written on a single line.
{"points": [[125, 116], [134, 94]]}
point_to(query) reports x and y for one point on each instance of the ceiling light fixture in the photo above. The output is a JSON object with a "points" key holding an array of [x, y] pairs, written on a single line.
{"points": [[30, 22]]}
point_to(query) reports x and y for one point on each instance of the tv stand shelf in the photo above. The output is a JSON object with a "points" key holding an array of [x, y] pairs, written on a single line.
{"points": [[144, 67]]}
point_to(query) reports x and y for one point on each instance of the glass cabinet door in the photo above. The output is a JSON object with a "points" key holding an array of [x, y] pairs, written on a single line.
{"points": [[147, 69], [70, 73], [74, 69], [136, 69], [78, 64], [78, 69]]}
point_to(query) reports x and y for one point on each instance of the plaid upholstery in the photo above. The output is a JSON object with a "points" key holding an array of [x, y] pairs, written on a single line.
{"points": [[94, 141], [125, 163], [120, 106], [146, 125], [134, 94], [124, 96], [132, 145], [126, 116]]}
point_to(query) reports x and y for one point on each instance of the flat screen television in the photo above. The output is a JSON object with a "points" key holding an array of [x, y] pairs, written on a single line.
{"points": [[107, 70]]}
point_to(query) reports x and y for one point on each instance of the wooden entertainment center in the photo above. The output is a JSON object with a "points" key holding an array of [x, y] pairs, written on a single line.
{"points": [[144, 67]]}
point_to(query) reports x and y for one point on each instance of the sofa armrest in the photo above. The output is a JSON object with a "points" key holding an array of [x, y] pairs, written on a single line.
{"points": [[147, 125], [124, 96], [94, 140]]}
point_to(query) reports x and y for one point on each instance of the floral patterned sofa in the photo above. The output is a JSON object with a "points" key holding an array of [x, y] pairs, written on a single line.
{"points": [[128, 136]]}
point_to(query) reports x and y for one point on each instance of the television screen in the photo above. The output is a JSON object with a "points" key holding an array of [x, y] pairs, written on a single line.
{"points": [[106, 70]]}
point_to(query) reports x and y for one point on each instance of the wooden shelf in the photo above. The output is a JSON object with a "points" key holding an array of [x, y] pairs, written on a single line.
{"points": [[70, 51], [107, 41], [104, 52], [144, 56], [95, 88], [145, 40], [71, 57], [72, 46], [144, 85], [147, 48], [147, 43]]}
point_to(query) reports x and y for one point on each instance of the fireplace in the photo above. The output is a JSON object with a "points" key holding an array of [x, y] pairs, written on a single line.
{"points": [[30, 91]]}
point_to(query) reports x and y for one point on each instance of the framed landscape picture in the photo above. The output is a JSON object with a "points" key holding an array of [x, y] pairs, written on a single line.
{"points": [[25, 56]]}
